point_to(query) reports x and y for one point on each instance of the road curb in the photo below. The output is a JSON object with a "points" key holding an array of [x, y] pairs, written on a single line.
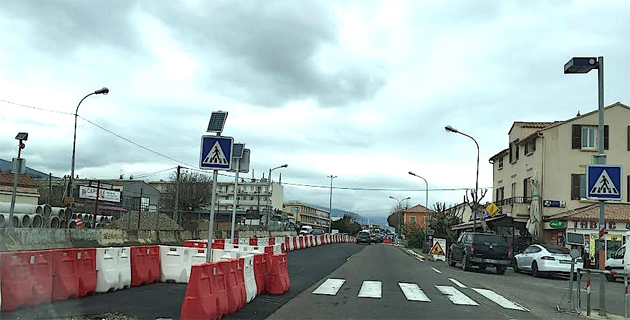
{"points": [[412, 253]]}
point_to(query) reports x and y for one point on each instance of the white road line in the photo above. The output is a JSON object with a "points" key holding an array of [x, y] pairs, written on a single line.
{"points": [[456, 296], [459, 284], [329, 287], [436, 270], [413, 292], [500, 300], [370, 289]]}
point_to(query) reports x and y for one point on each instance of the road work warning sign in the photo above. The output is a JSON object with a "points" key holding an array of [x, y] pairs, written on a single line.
{"points": [[437, 250]]}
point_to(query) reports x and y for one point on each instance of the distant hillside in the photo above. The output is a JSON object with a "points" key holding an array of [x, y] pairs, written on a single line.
{"points": [[5, 166]]}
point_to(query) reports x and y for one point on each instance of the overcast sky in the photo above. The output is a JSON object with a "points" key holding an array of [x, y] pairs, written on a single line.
{"points": [[357, 89]]}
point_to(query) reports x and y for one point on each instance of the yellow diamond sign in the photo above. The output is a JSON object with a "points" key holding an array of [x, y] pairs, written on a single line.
{"points": [[492, 209]]}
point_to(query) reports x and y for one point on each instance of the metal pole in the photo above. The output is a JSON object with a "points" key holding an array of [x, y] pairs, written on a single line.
{"points": [[579, 289], [602, 160], [139, 209], [175, 213], [571, 281], [330, 204], [70, 192], [238, 160], [98, 190], [16, 177], [625, 295], [211, 222], [588, 293]]}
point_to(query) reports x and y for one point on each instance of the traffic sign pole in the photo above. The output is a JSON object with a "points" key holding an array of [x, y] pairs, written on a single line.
{"points": [[211, 222]]}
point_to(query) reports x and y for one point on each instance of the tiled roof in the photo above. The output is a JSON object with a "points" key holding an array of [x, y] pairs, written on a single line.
{"points": [[418, 209], [6, 178], [613, 212], [527, 124]]}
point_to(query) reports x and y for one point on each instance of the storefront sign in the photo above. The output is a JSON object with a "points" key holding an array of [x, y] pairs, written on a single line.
{"points": [[106, 195], [611, 225], [558, 224], [554, 203]]}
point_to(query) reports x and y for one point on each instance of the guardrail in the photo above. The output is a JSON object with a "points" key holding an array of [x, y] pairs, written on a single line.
{"points": [[602, 289]]}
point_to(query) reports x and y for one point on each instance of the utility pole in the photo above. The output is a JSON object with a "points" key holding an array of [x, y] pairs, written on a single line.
{"points": [[175, 213], [98, 190], [330, 204], [140, 208]]}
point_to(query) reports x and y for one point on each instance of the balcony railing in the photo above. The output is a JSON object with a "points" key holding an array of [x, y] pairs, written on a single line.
{"points": [[513, 200]]}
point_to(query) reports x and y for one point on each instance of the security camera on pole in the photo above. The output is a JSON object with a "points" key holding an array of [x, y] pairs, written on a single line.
{"points": [[216, 154]]}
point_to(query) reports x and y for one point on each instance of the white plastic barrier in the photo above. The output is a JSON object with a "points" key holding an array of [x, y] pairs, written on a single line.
{"points": [[250, 280], [291, 244], [175, 264], [280, 240], [277, 249], [263, 242], [243, 241], [113, 267]]}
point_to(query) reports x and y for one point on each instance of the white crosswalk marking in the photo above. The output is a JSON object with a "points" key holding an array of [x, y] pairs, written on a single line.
{"points": [[436, 270], [413, 292], [459, 284], [456, 296], [500, 300], [370, 289], [330, 287]]}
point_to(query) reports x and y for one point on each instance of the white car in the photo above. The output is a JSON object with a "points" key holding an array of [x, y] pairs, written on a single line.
{"points": [[543, 258]]}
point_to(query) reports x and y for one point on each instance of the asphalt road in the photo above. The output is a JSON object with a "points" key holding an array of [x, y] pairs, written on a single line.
{"points": [[164, 300], [494, 296]]}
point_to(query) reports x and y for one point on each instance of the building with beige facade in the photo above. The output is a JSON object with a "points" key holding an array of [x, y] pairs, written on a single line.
{"points": [[305, 214], [539, 181]]}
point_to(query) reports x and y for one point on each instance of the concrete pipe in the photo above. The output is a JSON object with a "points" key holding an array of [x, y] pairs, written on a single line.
{"points": [[45, 210], [100, 219], [63, 224], [53, 222], [16, 221], [36, 221], [19, 208], [111, 219], [2, 219], [72, 224], [58, 212], [68, 213], [73, 216], [24, 220]]}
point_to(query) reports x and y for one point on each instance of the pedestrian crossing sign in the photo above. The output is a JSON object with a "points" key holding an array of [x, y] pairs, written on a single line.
{"points": [[216, 152], [603, 182]]}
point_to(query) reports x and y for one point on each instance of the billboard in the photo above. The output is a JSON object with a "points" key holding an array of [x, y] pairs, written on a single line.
{"points": [[105, 195]]}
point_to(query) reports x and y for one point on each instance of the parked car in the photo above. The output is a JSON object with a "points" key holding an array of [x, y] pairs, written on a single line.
{"points": [[306, 230], [615, 263], [480, 249], [544, 258], [317, 232], [364, 237]]}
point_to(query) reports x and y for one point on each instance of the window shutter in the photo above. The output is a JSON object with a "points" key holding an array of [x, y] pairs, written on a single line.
{"points": [[576, 139], [628, 138], [628, 190], [605, 137], [525, 187], [575, 187]]}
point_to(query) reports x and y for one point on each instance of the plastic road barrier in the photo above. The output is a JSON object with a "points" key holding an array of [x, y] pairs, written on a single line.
{"points": [[200, 301], [113, 269], [250, 280], [66, 275], [26, 278]]}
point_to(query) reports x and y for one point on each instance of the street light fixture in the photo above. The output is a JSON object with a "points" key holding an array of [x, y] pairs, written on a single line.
{"points": [[330, 204], [453, 130], [426, 196], [18, 166], [584, 65], [103, 91], [401, 214]]}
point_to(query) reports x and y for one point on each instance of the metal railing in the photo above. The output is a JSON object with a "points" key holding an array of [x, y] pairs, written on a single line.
{"points": [[513, 200], [602, 294]]}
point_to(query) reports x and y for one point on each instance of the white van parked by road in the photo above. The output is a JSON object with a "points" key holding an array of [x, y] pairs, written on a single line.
{"points": [[616, 263], [306, 230]]}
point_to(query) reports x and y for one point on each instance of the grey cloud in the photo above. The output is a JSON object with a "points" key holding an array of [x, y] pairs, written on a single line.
{"points": [[273, 52], [61, 27]]}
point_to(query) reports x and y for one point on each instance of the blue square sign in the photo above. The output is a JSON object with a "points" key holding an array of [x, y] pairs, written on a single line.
{"points": [[603, 182], [216, 152]]}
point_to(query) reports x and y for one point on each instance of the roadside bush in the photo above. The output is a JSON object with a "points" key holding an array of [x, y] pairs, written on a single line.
{"points": [[415, 236]]}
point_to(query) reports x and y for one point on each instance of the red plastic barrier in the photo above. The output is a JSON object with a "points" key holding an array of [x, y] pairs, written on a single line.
{"points": [[153, 263], [302, 243], [218, 245], [65, 274], [253, 241], [27, 278], [278, 277], [240, 279], [145, 265], [287, 243], [260, 272], [86, 268], [295, 243], [235, 302], [219, 283], [188, 244], [272, 241], [200, 301], [269, 249]]}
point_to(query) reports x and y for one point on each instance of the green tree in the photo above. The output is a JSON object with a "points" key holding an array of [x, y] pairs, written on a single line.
{"points": [[415, 236], [395, 218], [347, 225]]}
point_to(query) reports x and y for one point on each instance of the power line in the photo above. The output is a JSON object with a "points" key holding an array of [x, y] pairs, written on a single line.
{"points": [[36, 108]]}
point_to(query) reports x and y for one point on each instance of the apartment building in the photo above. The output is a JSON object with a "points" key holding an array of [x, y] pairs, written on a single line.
{"points": [[305, 214], [541, 176], [418, 215]]}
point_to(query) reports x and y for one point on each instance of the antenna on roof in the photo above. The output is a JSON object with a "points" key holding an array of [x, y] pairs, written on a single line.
{"points": [[578, 114]]}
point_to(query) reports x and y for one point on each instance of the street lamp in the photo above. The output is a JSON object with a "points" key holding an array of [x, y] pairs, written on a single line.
{"points": [[584, 65], [270, 190], [18, 166], [426, 196], [103, 90], [453, 130], [330, 204], [401, 214]]}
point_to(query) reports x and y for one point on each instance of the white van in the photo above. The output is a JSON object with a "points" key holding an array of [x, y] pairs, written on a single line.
{"points": [[616, 263], [306, 230]]}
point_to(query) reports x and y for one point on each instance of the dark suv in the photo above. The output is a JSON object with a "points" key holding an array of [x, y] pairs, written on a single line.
{"points": [[480, 249], [364, 236]]}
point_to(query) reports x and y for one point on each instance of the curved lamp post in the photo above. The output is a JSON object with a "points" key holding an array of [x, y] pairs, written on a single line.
{"points": [[402, 215], [330, 204], [103, 90], [426, 196], [453, 130]]}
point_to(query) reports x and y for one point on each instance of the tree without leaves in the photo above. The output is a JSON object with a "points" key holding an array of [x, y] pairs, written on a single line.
{"points": [[194, 191], [395, 217], [443, 220], [475, 205]]}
